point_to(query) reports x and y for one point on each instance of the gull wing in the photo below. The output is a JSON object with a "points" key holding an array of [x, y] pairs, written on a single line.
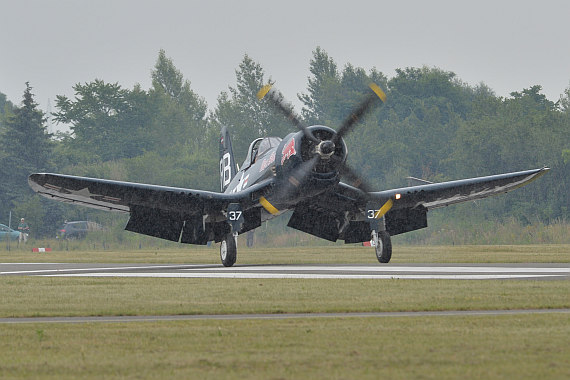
{"points": [[173, 213], [442, 194], [405, 209]]}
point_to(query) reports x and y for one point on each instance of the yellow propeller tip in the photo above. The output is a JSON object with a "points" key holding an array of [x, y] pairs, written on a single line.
{"points": [[384, 209], [268, 206], [264, 90], [378, 91]]}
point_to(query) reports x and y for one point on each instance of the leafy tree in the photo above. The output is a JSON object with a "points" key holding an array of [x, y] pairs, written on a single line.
{"points": [[112, 125], [166, 77], [5, 106], [523, 131], [105, 121], [515, 132], [180, 114], [190, 168], [245, 116], [6, 111], [323, 89], [414, 128], [564, 101], [433, 85]]}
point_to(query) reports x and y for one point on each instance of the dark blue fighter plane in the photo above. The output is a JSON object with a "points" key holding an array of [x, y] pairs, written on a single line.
{"points": [[301, 172]]}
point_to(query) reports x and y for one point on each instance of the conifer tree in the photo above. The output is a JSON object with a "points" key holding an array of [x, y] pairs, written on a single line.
{"points": [[26, 148]]}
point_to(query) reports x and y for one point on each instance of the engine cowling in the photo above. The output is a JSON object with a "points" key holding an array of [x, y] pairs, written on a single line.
{"points": [[315, 162]]}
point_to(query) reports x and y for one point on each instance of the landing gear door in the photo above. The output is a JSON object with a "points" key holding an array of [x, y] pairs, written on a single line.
{"points": [[372, 213], [235, 217]]}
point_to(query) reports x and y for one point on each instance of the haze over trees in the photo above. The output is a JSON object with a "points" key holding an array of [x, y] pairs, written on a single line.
{"points": [[433, 126]]}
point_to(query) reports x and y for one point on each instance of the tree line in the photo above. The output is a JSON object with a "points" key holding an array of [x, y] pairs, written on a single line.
{"points": [[433, 126]]}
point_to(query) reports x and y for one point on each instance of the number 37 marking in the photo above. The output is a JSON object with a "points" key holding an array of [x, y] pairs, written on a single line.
{"points": [[234, 215], [371, 214]]}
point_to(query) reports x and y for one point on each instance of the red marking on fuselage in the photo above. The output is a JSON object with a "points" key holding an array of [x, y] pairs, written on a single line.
{"points": [[288, 151], [267, 161]]}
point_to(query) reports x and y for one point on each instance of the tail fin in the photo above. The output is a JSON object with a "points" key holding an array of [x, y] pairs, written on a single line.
{"points": [[228, 167]]}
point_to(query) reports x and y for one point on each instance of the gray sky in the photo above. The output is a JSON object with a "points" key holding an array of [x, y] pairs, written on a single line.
{"points": [[53, 44]]}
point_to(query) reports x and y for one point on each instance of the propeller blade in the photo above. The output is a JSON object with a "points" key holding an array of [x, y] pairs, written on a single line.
{"points": [[275, 98], [298, 176], [357, 181], [268, 206], [361, 111], [353, 178], [378, 214], [295, 179]]}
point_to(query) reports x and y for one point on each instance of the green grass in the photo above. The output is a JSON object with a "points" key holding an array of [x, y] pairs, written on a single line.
{"points": [[337, 254], [56, 296], [507, 347]]}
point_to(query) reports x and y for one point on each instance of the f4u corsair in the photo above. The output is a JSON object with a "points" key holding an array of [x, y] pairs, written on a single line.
{"points": [[300, 172]]}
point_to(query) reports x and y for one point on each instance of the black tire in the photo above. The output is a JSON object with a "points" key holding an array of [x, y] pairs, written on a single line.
{"points": [[228, 251], [384, 247]]}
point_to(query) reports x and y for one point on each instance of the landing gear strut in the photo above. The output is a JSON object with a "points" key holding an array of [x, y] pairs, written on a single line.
{"points": [[383, 246], [228, 247], [228, 250]]}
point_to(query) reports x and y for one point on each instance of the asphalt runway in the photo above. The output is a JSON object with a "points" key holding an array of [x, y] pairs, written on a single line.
{"points": [[314, 271], [389, 271]]}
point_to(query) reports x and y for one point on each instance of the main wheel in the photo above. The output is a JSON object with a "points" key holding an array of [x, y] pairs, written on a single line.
{"points": [[228, 251], [384, 247]]}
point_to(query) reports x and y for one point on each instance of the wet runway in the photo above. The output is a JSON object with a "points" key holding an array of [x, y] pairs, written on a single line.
{"points": [[313, 271]]}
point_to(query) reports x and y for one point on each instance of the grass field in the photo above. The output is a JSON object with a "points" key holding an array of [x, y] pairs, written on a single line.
{"points": [[556, 253], [508, 346], [505, 347], [40, 296]]}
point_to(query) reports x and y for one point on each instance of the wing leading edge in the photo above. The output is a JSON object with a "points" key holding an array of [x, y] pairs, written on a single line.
{"points": [[442, 194]]}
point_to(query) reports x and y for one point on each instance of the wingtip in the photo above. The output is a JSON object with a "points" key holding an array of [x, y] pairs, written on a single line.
{"points": [[35, 181], [34, 177]]}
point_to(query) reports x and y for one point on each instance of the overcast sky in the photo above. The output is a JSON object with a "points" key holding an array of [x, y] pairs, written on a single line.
{"points": [[54, 44]]}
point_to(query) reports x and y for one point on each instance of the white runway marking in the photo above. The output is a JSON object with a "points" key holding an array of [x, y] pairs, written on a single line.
{"points": [[413, 271], [312, 276], [74, 269], [442, 269]]}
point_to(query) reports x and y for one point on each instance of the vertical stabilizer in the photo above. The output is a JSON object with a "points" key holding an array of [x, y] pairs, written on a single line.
{"points": [[228, 167]]}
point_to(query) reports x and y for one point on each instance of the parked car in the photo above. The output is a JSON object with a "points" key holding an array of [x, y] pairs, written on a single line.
{"points": [[8, 233], [77, 230]]}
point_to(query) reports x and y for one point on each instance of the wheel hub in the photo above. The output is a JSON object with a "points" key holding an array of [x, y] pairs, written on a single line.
{"points": [[223, 250]]}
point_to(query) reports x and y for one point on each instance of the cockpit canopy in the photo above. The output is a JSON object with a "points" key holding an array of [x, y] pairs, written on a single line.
{"points": [[258, 148]]}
